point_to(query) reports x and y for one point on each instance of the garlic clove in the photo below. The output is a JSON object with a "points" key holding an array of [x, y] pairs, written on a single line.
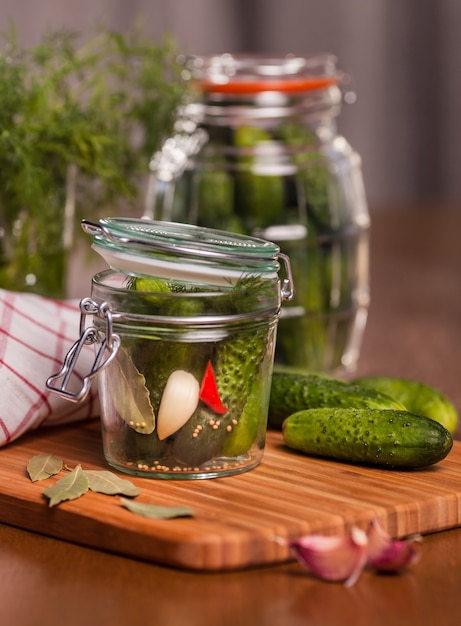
{"points": [[179, 400], [343, 557], [335, 557], [390, 555]]}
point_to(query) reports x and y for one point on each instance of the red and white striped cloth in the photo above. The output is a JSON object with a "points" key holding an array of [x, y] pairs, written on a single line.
{"points": [[35, 335]]}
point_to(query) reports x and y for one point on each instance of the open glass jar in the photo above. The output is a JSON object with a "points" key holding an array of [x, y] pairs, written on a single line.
{"points": [[184, 326], [258, 152]]}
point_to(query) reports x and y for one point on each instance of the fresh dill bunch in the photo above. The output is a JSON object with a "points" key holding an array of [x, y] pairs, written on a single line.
{"points": [[84, 116]]}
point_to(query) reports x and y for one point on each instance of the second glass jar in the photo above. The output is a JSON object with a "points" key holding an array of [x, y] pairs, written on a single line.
{"points": [[258, 152]]}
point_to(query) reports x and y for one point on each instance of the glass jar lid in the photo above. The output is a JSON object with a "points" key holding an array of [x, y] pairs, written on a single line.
{"points": [[181, 251]]}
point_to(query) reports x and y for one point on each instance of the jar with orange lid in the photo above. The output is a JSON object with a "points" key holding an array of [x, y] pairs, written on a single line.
{"points": [[257, 152]]}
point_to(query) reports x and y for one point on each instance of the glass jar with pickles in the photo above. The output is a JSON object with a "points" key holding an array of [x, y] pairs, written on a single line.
{"points": [[257, 152], [184, 328]]}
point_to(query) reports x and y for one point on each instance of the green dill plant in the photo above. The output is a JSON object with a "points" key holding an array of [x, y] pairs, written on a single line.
{"points": [[79, 122]]}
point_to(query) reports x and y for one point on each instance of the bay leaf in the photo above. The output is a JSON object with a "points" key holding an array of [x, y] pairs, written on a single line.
{"points": [[154, 511], [110, 484], [130, 395], [43, 466], [72, 486]]}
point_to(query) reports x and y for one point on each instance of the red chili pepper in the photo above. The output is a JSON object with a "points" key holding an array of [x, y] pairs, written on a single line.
{"points": [[209, 393]]}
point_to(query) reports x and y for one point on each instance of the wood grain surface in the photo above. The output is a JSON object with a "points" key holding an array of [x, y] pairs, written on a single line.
{"points": [[238, 521]]}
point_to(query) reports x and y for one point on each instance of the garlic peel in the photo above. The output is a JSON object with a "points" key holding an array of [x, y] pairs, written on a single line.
{"points": [[179, 400], [388, 555], [335, 557], [343, 557], [399, 555]]}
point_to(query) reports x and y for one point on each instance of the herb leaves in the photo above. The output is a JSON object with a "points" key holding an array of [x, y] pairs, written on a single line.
{"points": [[72, 486], [43, 466], [110, 484], [154, 511], [79, 120], [79, 481]]}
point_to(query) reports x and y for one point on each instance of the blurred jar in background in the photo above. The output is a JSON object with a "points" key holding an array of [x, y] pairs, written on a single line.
{"points": [[257, 152]]}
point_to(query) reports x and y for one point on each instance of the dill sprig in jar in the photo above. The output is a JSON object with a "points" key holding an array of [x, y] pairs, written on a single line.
{"points": [[184, 327]]}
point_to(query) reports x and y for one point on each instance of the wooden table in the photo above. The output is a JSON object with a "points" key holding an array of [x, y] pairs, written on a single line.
{"points": [[414, 330]]}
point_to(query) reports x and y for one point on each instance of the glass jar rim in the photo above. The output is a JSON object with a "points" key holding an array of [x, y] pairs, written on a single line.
{"points": [[254, 73], [252, 302]]}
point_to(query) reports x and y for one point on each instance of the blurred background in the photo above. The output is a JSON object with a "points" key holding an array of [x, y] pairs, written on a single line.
{"points": [[403, 58]]}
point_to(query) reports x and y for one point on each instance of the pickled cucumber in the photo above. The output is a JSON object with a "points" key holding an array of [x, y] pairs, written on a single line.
{"points": [[236, 364]]}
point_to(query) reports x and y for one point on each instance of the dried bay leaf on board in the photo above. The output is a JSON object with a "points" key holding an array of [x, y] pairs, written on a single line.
{"points": [[72, 486], [110, 484], [130, 395], [154, 511], [43, 466]]}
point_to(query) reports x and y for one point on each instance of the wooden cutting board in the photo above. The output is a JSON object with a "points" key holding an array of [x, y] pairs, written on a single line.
{"points": [[237, 519]]}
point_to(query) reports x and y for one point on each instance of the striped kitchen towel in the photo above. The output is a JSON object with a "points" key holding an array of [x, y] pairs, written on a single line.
{"points": [[35, 335]]}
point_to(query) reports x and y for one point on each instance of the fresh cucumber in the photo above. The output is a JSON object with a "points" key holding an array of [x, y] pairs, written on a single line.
{"points": [[378, 437], [294, 391], [416, 397]]}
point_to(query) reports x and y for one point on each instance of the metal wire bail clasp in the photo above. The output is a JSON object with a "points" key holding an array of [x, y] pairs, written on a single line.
{"points": [[59, 383], [288, 287]]}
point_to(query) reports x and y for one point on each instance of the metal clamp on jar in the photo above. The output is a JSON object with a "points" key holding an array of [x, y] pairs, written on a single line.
{"points": [[184, 328]]}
